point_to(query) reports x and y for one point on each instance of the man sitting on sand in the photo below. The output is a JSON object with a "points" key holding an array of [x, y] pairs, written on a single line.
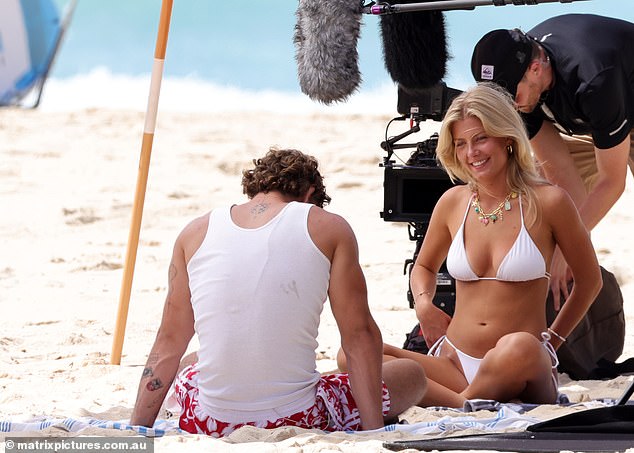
{"points": [[251, 281]]}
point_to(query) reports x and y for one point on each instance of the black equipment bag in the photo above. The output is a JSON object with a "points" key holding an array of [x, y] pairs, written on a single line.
{"points": [[592, 348], [414, 341], [612, 419]]}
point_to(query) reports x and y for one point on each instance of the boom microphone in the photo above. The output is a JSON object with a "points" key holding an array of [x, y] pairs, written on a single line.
{"points": [[325, 38], [414, 47]]}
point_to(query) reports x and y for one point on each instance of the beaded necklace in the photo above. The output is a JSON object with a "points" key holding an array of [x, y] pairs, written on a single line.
{"points": [[497, 213]]}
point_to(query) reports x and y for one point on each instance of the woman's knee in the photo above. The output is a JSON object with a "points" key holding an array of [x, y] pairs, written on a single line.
{"points": [[406, 382], [517, 347], [342, 362]]}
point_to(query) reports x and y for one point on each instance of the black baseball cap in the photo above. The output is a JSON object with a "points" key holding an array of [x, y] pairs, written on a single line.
{"points": [[502, 56]]}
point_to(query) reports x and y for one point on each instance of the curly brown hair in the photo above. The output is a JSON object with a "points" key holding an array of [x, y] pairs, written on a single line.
{"points": [[288, 171]]}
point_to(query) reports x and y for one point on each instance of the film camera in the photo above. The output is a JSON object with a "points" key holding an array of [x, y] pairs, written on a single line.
{"points": [[411, 189]]}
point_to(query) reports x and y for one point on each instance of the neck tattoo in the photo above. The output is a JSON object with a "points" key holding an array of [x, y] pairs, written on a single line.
{"points": [[259, 208], [497, 213]]}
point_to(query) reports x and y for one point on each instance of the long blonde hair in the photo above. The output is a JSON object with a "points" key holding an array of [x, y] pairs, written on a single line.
{"points": [[494, 107]]}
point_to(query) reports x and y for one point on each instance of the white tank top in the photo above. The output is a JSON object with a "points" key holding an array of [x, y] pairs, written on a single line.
{"points": [[257, 296]]}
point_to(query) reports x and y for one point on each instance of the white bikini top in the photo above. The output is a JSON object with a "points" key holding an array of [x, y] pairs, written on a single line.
{"points": [[522, 263]]}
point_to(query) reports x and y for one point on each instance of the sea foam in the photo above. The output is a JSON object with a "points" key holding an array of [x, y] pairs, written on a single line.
{"points": [[101, 88]]}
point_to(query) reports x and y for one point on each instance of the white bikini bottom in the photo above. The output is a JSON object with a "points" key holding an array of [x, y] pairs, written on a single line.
{"points": [[470, 364]]}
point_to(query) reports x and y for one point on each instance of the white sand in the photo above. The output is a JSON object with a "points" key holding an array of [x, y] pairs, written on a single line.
{"points": [[67, 182]]}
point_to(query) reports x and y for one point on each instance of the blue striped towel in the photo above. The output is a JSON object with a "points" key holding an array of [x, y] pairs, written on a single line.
{"points": [[74, 425]]}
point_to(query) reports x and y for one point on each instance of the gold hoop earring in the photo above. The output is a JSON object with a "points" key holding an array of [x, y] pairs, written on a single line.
{"points": [[509, 149]]}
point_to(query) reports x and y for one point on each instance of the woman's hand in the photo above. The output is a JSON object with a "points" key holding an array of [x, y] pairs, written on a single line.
{"points": [[560, 277], [433, 322]]}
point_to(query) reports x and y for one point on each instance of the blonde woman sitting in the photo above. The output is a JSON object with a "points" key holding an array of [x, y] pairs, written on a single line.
{"points": [[498, 233]]}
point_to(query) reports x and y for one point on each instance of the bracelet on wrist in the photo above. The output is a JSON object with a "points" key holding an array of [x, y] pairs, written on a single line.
{"points": [[552, 332]]}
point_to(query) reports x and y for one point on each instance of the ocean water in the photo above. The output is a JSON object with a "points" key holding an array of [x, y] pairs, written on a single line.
{"points": [[239, 55]]}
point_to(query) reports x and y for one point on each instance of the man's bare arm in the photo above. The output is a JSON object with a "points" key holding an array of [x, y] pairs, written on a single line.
{"points": [[175, 332], [559, 168], [360, 336], [556, 163], [610, 183]]}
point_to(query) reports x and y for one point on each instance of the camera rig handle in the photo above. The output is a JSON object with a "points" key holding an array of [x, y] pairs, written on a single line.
{"points": [[389, 144]]}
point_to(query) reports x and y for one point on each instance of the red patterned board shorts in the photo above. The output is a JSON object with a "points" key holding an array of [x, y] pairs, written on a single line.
{"points": [[334, 408]]}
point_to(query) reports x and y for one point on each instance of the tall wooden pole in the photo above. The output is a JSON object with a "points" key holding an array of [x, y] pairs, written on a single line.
{"points": [[144, 165]]}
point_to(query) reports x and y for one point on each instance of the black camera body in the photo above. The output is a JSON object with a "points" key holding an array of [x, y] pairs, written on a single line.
{"points": [[411, 190]]}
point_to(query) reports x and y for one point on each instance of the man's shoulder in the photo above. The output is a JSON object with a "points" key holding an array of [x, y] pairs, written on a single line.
{"points": [[578, 36], [328, 230], [576, 20], [319, 215], [194, 232], [200, 222]]}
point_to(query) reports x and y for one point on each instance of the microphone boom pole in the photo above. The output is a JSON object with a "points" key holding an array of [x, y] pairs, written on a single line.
{"points": [[144, 164], [383, 8]]}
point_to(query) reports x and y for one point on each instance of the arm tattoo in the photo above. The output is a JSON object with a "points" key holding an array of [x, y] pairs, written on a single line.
{"points": [[171, 276], [171, 273], [154, 384], [148, 371]]}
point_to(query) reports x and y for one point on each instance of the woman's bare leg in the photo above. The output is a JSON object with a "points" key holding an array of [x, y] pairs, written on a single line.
{"points": [[406, 383], [518, 367], [444, 380]]}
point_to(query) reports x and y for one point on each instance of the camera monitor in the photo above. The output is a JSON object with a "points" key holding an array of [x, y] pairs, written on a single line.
{"points": [[430, 103], [410, 193]]}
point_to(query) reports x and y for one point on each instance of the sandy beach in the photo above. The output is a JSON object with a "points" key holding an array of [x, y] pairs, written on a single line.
{"points": [[67, 182]]}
